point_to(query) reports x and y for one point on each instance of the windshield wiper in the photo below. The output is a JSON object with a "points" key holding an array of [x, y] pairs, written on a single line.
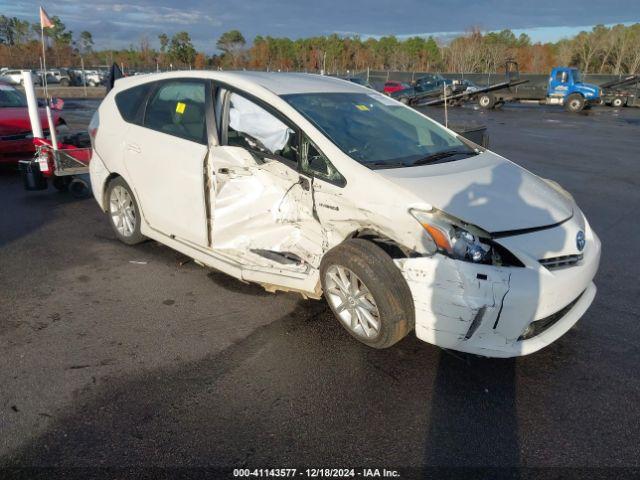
{"points": [[435, 157]]}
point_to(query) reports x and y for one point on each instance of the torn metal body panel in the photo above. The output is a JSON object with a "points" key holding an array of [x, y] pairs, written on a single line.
{"points": [[487, 310], [262, 207], [266, 176]]}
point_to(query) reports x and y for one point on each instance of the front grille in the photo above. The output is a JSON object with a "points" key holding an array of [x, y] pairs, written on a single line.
{"points": [[552, 263], [539, 326]]}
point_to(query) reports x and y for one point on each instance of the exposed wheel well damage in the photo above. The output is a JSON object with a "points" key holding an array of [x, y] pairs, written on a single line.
{"points": [[390, 246]]}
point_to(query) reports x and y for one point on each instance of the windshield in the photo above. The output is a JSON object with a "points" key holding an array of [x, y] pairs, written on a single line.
{"points": [[10, 97], [377, 131]]}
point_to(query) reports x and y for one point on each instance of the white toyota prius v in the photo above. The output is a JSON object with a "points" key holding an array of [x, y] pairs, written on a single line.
{"points": [[320, 186]]}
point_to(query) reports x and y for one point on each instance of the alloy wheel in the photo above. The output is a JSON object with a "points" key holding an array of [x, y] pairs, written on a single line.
{"points": [[123, 211], [352, 302]]}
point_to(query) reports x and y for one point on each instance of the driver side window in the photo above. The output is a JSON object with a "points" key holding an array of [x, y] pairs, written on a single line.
{"points": [[252, 127]]}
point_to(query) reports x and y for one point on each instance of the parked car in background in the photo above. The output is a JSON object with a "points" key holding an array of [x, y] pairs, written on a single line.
{"points": [[392, 86], [429, 86], [312, 184], [94, 78], [59, 76], [360, 81], [14, 77], [16, 139]]}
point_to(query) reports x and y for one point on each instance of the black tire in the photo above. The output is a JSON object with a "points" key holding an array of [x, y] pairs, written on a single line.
{"points": [[486, 100], [79, 188], [60, 183], [376, 270], [64, 82], [574, 103], [617, 102], [135, 237]]}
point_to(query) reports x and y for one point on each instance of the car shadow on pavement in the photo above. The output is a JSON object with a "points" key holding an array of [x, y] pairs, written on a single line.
{"points": [[473, 415], [298, 391]]}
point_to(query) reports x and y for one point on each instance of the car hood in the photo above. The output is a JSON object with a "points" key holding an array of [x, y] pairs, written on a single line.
{"points": [[14, 120], [487, 191]]}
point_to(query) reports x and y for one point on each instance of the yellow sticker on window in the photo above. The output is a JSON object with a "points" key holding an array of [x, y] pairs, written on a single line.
{"points": [[180, 107], [362, 108]]}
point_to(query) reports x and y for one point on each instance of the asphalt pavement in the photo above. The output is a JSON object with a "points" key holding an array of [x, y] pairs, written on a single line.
{"points": [[117, 356]]}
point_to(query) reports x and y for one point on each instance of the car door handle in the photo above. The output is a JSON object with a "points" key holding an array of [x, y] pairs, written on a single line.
{"points": [[233, 173], [134, 148]]}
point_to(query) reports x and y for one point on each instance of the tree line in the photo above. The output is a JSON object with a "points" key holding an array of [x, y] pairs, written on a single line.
{"points": [[604, 49]]}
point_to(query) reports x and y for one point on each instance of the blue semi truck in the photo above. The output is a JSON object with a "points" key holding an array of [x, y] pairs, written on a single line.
{"points": [[564, 87]]}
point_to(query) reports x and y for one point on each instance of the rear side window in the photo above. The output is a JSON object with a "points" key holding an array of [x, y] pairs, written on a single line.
{"points": [[178, 108], [130, 103]]}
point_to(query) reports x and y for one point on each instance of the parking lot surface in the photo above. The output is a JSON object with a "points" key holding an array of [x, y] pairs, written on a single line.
{"points": [[134, 356]]}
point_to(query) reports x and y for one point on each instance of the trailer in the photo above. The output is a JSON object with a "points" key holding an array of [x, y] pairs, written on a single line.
{"points": [[624, 92], [564, 87], [62, 161], [483, 95]]}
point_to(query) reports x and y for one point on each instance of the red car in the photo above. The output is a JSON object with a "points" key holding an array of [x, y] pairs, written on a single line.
{"points": [[16, 141], [393, 86]]}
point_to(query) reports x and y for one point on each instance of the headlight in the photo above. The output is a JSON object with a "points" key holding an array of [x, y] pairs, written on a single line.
{"points": [[461, 241]]}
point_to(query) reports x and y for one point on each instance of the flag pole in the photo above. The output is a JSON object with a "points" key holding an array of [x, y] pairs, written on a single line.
{"points": [[44, 62]]}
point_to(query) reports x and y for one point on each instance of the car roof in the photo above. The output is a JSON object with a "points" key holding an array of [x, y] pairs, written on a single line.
{"points": [[279, 83]]}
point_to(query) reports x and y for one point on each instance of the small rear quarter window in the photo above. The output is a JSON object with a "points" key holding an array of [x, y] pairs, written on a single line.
{"points": [[130, 103]]}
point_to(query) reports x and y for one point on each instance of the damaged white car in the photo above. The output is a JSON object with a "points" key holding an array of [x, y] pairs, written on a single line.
{"points": [[321, 186]]}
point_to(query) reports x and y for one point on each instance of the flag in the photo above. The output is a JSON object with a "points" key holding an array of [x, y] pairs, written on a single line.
{"points": [[45, 21]]}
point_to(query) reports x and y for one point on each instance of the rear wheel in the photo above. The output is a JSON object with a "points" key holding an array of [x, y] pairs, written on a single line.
{"points": [[617, 102], [486, 100], [367, 293], [124, 214], [64, 82], [575, 103]]}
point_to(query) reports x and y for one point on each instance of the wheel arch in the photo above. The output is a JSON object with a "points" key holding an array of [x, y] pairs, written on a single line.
{"points": [[105, 188], [393, 248]]}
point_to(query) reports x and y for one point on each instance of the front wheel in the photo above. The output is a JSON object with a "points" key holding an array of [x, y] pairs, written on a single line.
{"points": [[575, 103], [367, 293], [124, 214]]}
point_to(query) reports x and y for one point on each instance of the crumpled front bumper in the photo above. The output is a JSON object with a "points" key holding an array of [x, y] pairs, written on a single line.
{"points": [[485, 310]]}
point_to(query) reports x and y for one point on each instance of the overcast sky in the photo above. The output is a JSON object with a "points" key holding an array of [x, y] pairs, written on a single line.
{"points": [[116, 24]]}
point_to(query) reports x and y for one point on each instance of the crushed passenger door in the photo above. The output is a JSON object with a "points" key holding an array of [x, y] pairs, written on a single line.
{"points": [[262, 205]]}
